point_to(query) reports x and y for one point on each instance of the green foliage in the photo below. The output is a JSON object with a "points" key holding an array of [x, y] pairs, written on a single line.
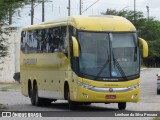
{"points": [[6, 7], [28, 2], [154, 54], [3, 47], [128, 14], [149, 29], [9, 7], [156, 118]]}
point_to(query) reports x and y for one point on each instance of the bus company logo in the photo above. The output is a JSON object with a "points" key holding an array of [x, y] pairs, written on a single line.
{"points": [[111, 85], [30, 61], [106, 79], [110, 89]]}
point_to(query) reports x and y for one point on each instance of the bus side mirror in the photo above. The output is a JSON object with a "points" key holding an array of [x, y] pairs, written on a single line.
{"points": [[145, 47], [75, 47]]}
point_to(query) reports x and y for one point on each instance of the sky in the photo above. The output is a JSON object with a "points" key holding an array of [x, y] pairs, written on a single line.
{"points": [[58, 9]]}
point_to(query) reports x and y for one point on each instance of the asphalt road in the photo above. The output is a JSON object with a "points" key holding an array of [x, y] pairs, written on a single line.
{"points": [[149, 101]]}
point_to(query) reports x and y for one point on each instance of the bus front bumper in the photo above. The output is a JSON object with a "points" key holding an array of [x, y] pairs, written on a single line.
{"points": [[105, 95]]}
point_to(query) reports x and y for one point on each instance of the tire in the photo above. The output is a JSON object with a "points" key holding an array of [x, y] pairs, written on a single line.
{"points": [[29, 92], [72, 104], [35, 100], [122, 105], [158, 91], [32, 98], [87, 103]]}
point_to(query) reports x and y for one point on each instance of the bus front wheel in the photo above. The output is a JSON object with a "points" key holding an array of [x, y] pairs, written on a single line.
{"points": [[72, 104], [122, 105]]}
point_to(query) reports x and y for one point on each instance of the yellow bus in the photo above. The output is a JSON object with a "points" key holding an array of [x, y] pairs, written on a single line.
{"points": [[82, 59]]}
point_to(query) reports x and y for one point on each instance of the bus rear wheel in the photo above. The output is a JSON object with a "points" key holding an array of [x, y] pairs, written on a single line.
{"points": [[35, 100], [122, 105]]}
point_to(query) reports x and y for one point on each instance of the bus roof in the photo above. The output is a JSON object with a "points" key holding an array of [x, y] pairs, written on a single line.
{"points": [[90, 23]]}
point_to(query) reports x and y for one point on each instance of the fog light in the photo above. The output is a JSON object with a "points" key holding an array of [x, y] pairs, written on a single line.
{"points": [[134, 96], [85, 95]]}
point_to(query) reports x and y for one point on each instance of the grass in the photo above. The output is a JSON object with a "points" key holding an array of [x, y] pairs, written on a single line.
{"points": [[2, 106], [8, 86], [143, 68], [156, 118]]}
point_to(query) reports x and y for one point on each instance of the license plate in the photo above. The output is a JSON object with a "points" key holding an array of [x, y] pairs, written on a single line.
{"points": [[110, 96]]}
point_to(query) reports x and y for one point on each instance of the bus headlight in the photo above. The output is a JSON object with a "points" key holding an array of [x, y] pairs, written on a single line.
{"points": [[134, 86], [84, 85], [134, 96]]}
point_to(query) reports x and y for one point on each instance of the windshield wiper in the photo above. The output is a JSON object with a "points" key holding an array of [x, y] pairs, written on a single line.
{"points": [[119, 67], [105, 64], [101, 70]]}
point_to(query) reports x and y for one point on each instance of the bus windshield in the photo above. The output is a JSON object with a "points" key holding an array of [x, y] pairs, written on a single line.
{"points": [[108, 55]]}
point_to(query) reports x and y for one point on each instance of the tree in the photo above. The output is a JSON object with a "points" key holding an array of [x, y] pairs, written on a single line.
{"points": [[132, 16], [8, 8], [149, 29]]}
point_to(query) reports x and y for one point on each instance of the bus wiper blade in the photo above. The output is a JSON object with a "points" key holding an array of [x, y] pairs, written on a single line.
{"points": [[105, 64], [120, 69], [101, 70]]}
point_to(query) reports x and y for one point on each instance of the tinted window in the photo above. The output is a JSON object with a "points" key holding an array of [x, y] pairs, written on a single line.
{"points": [[45, 40]]}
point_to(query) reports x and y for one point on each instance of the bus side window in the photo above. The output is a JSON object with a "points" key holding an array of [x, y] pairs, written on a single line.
{"points": [[25, 37], [63, 46], [30, 46], [39, 40], [28, 41], [34, 41], [50, 45], [23, 40], [43, 41], [46, 39], [53, 40], [56, 40]]}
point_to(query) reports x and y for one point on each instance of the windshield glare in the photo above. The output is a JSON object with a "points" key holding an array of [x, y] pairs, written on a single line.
{"points": [[107, 55]]}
